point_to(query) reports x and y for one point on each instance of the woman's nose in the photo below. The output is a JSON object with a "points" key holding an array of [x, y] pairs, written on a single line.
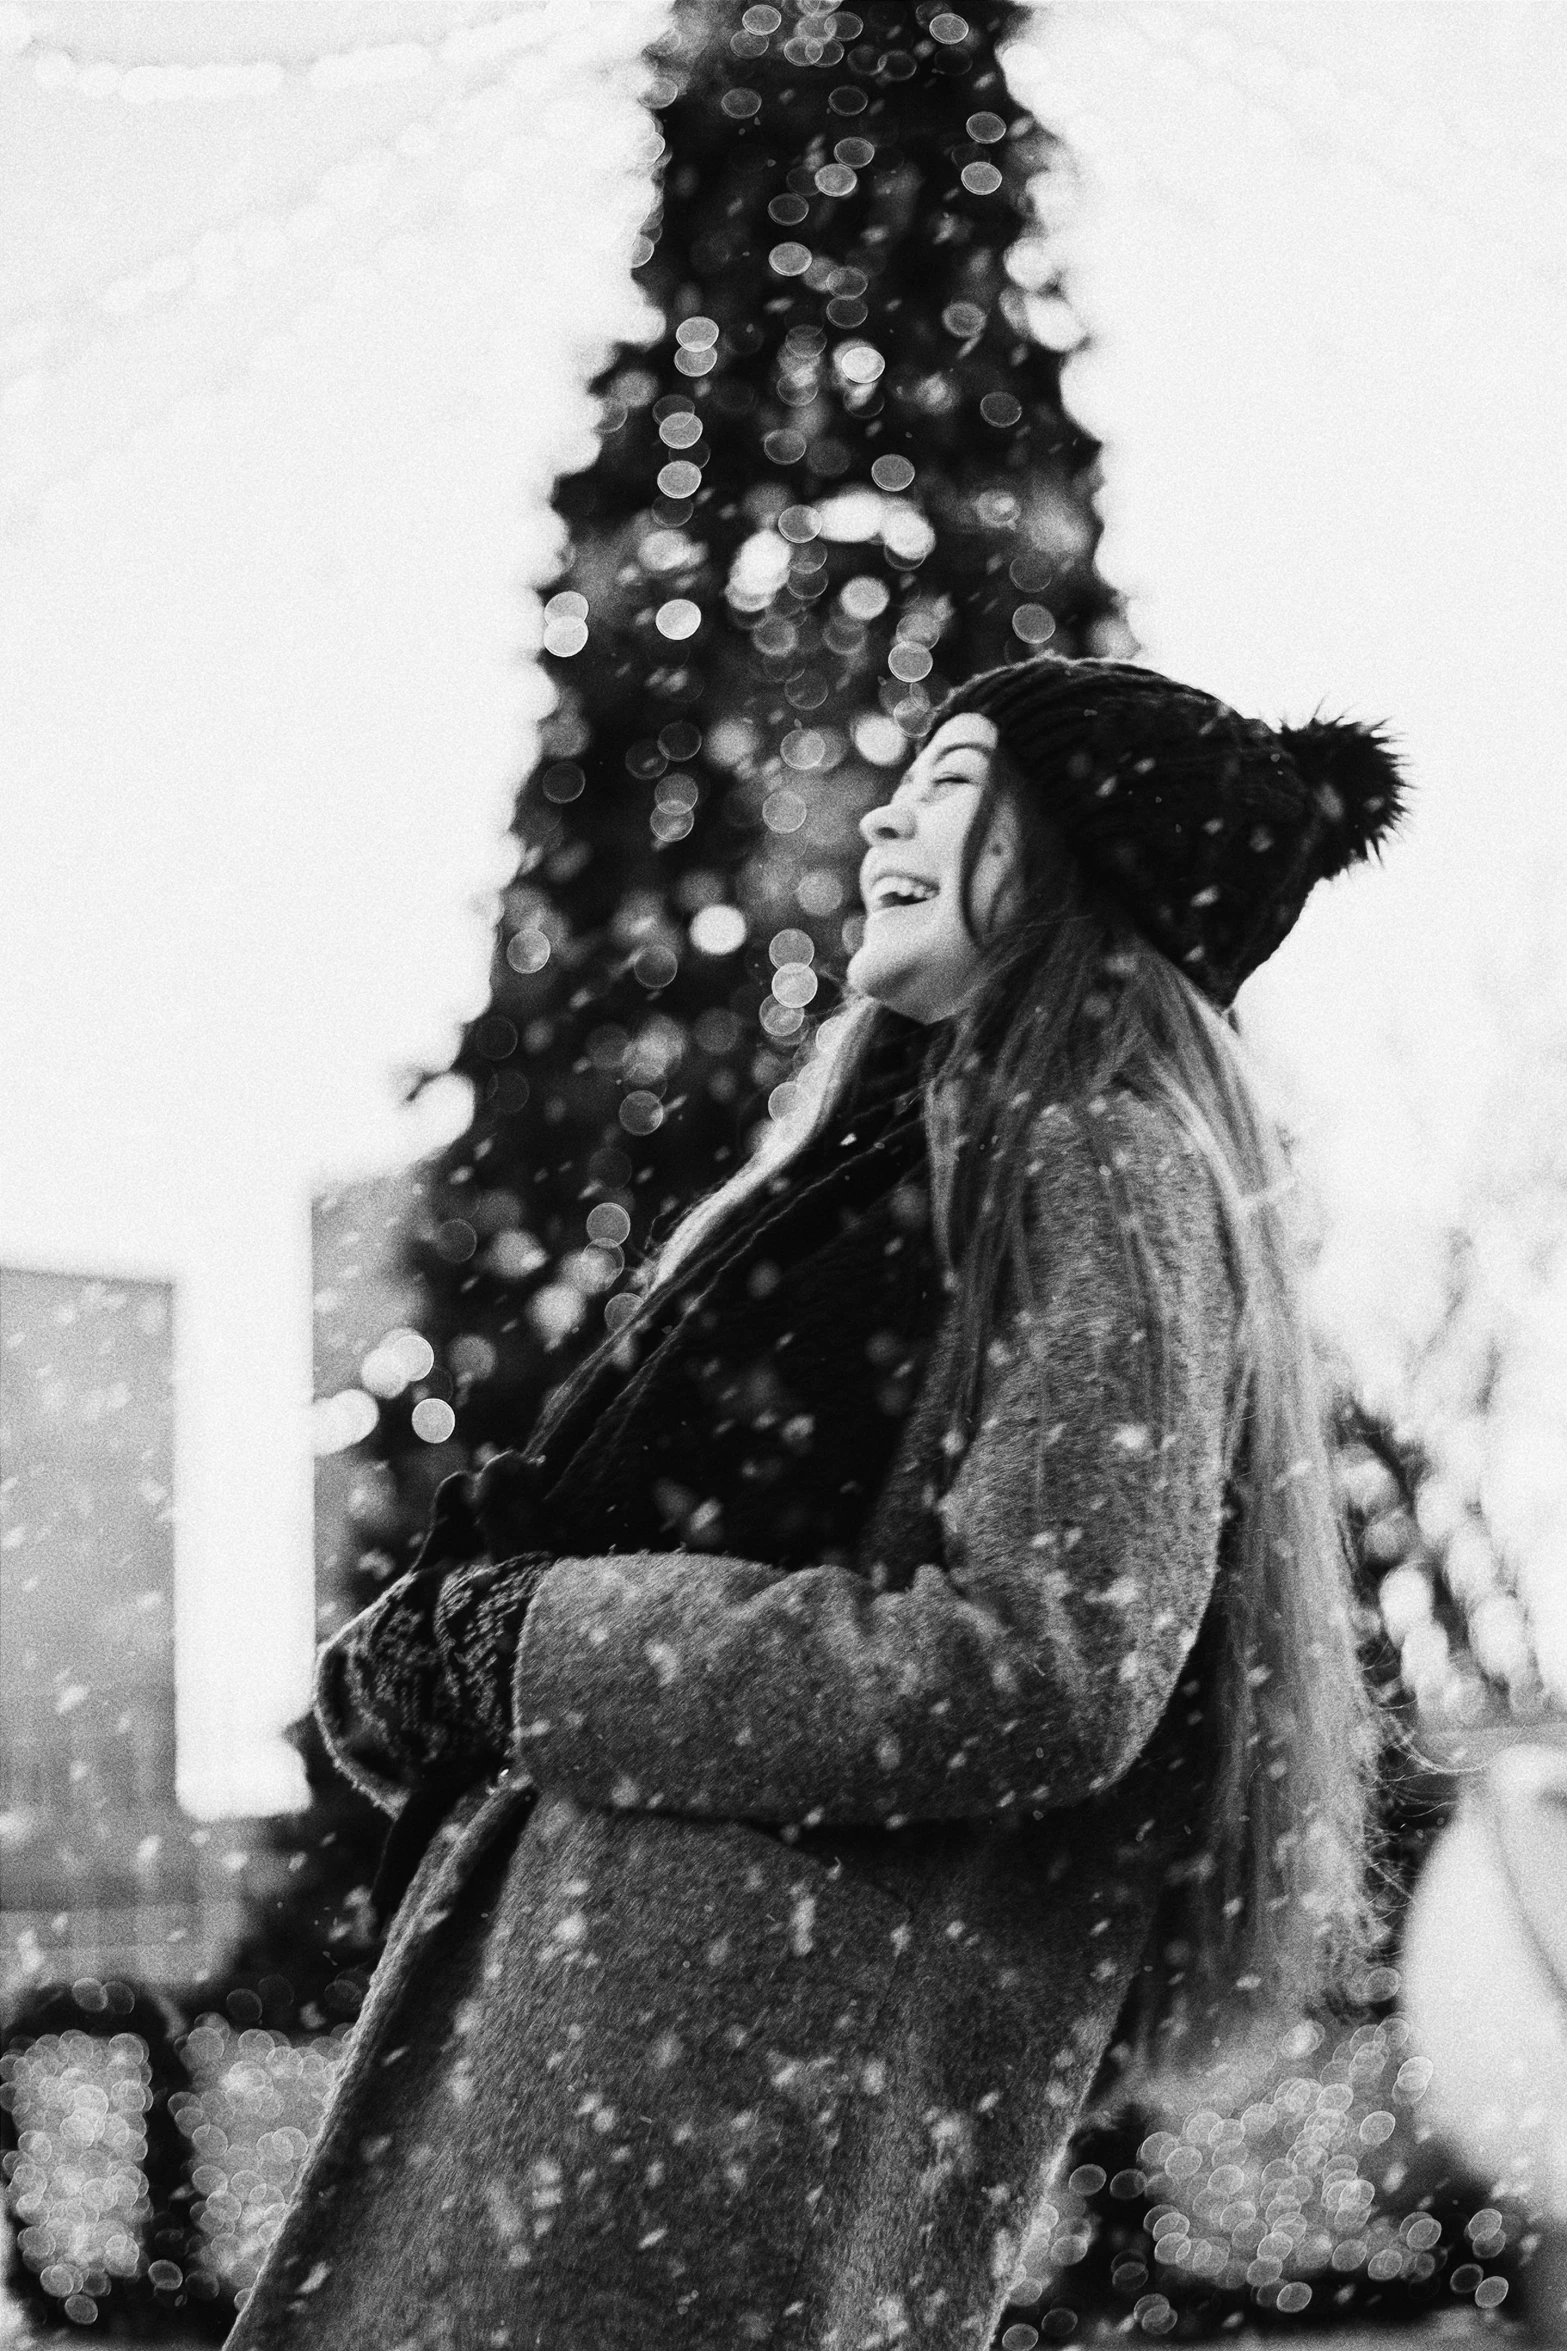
{"points": [[890, 823]]}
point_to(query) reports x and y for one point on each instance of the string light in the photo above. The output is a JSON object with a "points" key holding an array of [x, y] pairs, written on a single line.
{"points": [[250, 2120], [141, 82], [351, 185], [355, 186], [77, 2187], [214, 266], [1205, 33], [1357, 121]]}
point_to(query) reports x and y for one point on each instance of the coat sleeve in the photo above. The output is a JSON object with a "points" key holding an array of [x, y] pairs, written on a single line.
{"points": [[1029, 1666]]}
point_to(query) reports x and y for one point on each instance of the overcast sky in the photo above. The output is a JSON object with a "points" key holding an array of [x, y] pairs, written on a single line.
{"points": [[286, 366]]}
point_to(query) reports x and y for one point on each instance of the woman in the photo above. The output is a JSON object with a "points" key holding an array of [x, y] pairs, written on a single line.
{"points": [[929, 1641]]}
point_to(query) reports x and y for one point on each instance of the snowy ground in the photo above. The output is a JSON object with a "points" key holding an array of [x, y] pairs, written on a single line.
{"points": [[1455, 2330], [1449, 2331], [16, 2334]]}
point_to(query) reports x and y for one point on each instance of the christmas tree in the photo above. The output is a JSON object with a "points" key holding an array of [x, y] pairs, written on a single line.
{"points": [[839, 476]]}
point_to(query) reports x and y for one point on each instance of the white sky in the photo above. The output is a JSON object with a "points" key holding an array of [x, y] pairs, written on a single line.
{"points": [[285, 374]]}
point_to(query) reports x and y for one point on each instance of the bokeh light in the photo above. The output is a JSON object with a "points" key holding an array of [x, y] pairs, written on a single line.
{"points": [[75, 2184], [257, 2102]]}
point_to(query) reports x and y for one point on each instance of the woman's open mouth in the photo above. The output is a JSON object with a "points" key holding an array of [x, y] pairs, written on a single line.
{"points": [[897, 889]]}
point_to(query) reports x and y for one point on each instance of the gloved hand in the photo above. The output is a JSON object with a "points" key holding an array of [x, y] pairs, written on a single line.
{"points": [[415, 1694], [418, 1690], [494, 1513]]}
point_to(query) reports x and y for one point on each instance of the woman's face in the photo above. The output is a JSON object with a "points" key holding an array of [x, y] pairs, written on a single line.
{"points": [[919, 956]]}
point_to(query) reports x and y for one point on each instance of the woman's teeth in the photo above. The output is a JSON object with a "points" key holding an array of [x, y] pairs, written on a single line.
{"points": [[898, 889]]}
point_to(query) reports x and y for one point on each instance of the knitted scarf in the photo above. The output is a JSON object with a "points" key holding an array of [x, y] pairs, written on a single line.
{"points": [[759, 1415]]}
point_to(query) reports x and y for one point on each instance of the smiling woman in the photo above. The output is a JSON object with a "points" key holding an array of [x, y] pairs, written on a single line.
{"points": [[927, 900], [918, 1623]]}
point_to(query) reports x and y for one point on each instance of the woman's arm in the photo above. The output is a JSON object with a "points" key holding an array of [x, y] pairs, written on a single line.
{"points": [[1026, 1670]]}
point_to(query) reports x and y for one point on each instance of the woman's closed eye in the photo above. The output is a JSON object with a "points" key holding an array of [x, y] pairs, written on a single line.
{"points": [[938, 787]]}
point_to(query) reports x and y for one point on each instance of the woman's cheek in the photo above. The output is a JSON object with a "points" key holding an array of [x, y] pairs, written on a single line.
{"points": [[954, 961]]}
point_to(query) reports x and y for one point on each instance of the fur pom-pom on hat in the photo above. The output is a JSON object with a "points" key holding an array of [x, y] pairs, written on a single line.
{"points": [[1210, 829], [1357, 782]]}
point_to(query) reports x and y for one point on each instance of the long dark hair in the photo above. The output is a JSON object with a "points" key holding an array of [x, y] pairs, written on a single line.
{"points": [[1069, 1001]]}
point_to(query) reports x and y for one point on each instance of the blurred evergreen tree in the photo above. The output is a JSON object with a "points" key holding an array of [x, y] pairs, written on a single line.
{"points": [[838, 476]]}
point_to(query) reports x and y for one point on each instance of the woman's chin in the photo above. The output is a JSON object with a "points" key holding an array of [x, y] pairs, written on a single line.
{"points": [[872, 972], [895, 981]]}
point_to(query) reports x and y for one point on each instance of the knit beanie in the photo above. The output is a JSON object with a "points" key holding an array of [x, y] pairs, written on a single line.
{"points": [[1210, 829]]}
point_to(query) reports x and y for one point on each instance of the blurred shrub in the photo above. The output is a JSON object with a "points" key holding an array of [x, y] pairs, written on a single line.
{"points": [[250, 2115], [1305, 2190], [79, 2193], [93, 2164]]}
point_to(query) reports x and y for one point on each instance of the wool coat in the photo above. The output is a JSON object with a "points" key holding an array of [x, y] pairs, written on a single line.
{"points": [[768, 2020]]}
